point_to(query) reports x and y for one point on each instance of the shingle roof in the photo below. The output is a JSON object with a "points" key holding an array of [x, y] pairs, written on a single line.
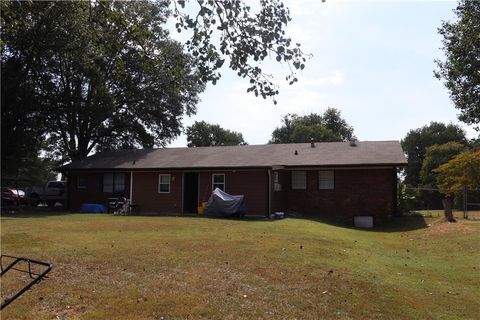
{"points": [[324, 154]]}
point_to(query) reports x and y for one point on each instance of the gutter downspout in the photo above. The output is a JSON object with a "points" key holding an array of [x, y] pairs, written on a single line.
{"points": [[269, 192], [131, 187]]}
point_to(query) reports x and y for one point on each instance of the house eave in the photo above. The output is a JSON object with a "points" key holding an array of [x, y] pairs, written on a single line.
{"points": [[273, 167]]}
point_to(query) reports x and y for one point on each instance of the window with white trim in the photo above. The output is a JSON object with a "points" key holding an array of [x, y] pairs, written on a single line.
{"points": [[299, 180], [113, 182], [218, 181], [81, 182], [326, 179], [164, 183]]}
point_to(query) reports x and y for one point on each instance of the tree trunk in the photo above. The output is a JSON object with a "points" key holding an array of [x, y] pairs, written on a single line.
{"points": [[447, 207]]}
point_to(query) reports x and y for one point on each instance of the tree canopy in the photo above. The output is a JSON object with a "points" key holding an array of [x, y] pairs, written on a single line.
{"points": [[247, 33], [203, 134], [460, 70], [104, 74], [461, 171], [85, 76], [329, 126], [435, 156], [418, 140]]}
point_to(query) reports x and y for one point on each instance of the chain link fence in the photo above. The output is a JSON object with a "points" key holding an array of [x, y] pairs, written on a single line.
{"points": [[428, 202]]}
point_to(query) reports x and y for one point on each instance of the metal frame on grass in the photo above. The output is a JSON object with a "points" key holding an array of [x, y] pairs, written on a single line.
{"points": [[35, 277]]}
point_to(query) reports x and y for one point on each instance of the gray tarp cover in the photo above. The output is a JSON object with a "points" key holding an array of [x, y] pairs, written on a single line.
{"points": [[222, 204]]}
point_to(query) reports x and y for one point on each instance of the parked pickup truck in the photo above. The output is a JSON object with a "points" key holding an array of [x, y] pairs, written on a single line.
{"points": [[53, 192]]}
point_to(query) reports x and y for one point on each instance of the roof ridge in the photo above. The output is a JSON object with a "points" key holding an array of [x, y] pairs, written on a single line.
{"points": [[265, 155]]}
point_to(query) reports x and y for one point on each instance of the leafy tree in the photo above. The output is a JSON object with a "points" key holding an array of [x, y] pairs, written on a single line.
{"points": [[104, 74], [21, 130], [39, 171], [461, 171], [418, 140], [245, 36], [36, 170], [203, 134], [461, 45], [407, 198], [329, 126], [435, 156], [305, 133], [96, 75], [475, 143]]}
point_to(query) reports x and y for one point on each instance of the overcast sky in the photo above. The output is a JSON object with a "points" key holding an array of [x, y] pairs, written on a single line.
{"points": [[373, 61]]}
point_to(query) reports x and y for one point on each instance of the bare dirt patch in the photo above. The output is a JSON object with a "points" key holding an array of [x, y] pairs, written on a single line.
{"points": [[445, 228]]}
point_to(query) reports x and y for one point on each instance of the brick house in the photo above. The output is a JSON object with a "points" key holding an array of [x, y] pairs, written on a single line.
{"points": [[338, 179]]}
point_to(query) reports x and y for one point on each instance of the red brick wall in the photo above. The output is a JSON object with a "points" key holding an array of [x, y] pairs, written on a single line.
{"points": [[356, 192], [252, 183], [94, 191], [148, 199]]}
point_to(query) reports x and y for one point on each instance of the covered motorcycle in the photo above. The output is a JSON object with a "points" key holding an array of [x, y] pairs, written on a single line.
{"points": [[222, 204]]}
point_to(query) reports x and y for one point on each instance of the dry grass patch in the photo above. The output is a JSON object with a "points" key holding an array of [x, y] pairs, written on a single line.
{"points": [[190, 268], [442, 228]]}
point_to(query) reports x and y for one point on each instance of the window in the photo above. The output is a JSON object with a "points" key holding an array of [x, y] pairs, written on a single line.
{"points": [[299, 180], [164, 183], [326, 179], [113, 182], [276, 185], [81, 182], [119, 182], [218, 181], [108, 182]]}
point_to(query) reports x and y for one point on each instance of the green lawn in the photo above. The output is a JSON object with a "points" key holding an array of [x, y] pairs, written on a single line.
{"points": [[129, 267]]}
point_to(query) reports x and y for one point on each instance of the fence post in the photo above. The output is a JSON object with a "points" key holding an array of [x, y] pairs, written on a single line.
{"points": [[465, 202]]}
